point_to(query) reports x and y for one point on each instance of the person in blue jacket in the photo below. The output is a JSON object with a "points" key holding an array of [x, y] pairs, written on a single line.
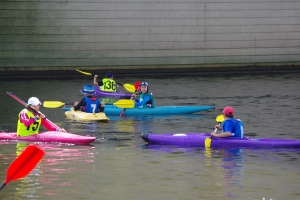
{"points": [[89, 103], [146, 99], [231, 127]]}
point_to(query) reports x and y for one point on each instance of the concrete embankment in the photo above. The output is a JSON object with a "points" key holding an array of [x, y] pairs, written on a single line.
{"points": [[154, 71], [145, 38]]}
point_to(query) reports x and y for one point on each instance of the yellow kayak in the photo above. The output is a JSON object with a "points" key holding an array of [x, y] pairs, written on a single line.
{"points": [[83, 116]]}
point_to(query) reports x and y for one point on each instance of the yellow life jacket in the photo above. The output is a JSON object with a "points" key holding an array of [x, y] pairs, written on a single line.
{"points": [[30, 130], [109, 85]]}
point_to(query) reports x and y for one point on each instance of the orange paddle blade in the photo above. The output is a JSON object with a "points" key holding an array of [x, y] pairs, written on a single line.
{"points": [[23, 164], [137, 85]]}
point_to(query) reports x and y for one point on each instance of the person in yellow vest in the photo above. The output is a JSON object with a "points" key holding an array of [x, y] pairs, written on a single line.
{"points": [[29, 122], [108, 84]]}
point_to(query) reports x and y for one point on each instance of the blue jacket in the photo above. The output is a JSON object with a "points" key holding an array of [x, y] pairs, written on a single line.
{"points": [[82, 104], [91, 106], [234, 126]]}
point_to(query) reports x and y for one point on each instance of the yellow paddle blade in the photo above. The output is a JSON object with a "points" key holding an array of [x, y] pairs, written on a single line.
{"points": [[129, 87], [207, 142], [220, 118], [86, 73], [53, 104], [124, 103]]}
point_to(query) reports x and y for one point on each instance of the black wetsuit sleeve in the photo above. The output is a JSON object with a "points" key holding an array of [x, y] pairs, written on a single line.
{"points": [[101, 109], [81, 103]]}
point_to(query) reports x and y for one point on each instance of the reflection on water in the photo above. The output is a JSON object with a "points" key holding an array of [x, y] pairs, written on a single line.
{"points": [[142, 124], [224, 168], [226, 171], [231, 162], [59, 160]]}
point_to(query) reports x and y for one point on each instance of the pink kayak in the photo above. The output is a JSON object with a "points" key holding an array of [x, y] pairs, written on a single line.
{"points": [[50, 136]]}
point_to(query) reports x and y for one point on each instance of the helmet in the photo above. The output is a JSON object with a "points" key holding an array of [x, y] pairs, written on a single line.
{"points": [[144, 84], [109, 74], [229, 111]]}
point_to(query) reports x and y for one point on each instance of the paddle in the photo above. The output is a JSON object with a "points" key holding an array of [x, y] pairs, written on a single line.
{"points": [[124, 103], [56, 104], [219, 120], [137, 87], [23, 164], [28, 107], [127, 86]]}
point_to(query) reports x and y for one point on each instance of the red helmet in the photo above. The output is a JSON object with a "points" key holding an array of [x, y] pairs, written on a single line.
{"points": [[228, 111]]}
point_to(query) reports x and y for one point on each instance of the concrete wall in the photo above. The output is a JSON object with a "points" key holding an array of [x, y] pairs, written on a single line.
{"points": [[87, 33]]}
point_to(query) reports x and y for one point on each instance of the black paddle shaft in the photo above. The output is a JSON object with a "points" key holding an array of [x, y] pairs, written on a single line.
{"points": [[27, 106], [2, 185], [22, 102]]}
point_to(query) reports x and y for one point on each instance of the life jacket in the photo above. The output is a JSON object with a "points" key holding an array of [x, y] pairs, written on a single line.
{"points": [[109, 85], [239, 127], [148, 104], [23, 130], [91, 105]]}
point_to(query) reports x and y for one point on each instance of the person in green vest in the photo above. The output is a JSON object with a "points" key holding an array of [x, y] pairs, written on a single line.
{"points": [[146, 99], [29, 122], [107, 84]]}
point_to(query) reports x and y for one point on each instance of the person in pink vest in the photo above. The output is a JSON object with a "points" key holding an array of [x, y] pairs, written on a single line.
{"points": [[29, 122]]}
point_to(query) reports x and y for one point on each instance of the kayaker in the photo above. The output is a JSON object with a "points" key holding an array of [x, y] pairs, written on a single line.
{"points": [[146, 100], [107, 84], [29, 122], [89, 103], [230, 126]]}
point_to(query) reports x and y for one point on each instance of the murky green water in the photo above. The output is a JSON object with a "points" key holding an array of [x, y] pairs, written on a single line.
{"points": [[119, 165]]}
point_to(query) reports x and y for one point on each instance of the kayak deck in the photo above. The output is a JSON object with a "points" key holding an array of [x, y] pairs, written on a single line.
{"points": [[112, 110], [50, 136], [158, 110], [200, 139], [83, 116]]}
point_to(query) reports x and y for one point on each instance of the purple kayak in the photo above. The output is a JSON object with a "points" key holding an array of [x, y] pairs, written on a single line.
{"points": [[116, 95], [202, 139]]}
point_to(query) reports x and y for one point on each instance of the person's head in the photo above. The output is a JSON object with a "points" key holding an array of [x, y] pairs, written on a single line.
{"points": [[88, 90], [228, 112], [109, 75], [34, 103], [144, 87]]}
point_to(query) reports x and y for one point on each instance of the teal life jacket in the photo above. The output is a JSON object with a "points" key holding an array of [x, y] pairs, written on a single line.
{"points": [[148, 104]]}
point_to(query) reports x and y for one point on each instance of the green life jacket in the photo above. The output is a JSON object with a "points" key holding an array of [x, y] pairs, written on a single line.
{"points": [[23, 130], [109, 85]]}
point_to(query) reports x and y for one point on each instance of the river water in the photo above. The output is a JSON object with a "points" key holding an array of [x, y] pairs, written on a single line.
{"points": [[119, 164]]}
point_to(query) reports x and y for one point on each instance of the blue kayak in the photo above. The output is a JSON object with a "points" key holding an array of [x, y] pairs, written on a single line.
{"points": [[158, 110]]}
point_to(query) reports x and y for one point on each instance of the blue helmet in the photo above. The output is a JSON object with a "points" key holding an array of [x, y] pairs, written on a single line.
{"points": [[109, 74], [144, 84]]}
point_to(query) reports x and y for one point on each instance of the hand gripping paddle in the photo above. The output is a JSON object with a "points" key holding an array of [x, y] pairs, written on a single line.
{"points": [[219, 120]]}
